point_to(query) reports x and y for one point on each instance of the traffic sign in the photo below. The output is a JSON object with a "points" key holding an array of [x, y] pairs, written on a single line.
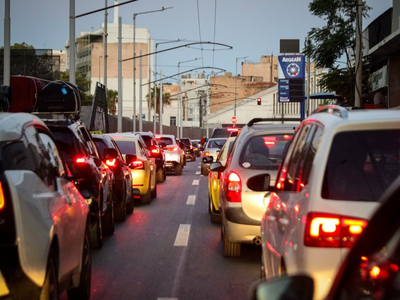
{"points": [[233, 120]]}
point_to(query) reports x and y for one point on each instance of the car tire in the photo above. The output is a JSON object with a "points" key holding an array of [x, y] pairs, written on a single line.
{"points": [[108, 223], [194, 157], [130, 206], [154, 192], [178, 169], [146, 199], [50, 289], [96, 232], [231, 249], [82, 291], [120, 211], [214, 216], [160, 175], [204, 170]]}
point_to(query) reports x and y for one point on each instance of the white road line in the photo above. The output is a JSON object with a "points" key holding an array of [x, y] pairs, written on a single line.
{"points": [[199, 167], [191, 199], [182, 237], [197, 172], [163, 298], [195, 182]]}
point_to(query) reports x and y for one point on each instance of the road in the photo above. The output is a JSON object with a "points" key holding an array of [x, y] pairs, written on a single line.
{"points": [[169, 249]]}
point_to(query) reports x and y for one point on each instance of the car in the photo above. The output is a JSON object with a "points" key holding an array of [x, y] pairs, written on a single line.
{"points": [[123, 195], [196, 147], [258, 150], [224, 132], [182, 146], [213, 180], [44, 234], [143, 167], [92, 177], [212, 148], [369, 270], [188, 148], [335, 169], [157, 152], [174, 157]]}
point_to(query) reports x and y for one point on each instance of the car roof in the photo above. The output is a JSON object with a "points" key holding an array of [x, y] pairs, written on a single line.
{"points": [[11, 123]]}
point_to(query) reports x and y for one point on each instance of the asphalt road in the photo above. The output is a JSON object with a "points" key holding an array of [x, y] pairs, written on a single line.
{"points": [[169, 249]]}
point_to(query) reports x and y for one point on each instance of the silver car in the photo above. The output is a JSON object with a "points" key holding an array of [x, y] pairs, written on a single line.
{"points": [[212, 148], [44, 237], [258, 150], [174, 155]]}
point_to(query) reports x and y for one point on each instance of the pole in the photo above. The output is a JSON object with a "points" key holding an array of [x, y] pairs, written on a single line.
{"points": [[155, 93], [105, 46], [72, 78], [237, 58], [358, 91], [134, 73], [7, 51], [308, 79], [100, 57], [161, 101], [140, 94], [120, 74]]}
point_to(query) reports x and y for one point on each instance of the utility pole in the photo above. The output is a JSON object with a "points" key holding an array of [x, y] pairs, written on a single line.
{"points": [[358, 64]]}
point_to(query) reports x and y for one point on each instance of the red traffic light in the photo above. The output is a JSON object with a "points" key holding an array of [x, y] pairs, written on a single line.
{"points": [[258, 101]]}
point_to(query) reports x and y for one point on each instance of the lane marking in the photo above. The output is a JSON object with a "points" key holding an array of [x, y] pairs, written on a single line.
{"points": [[195, 182], [197, 172], [199, 167], [191, 199], [163, 298], [182, 237]]}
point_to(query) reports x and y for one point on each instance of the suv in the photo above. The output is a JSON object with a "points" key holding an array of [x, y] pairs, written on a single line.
{"points": [[174, 160], [337, 166], [156, 152], [92, 177], [123, 194], [188, 148], [258, 150]]}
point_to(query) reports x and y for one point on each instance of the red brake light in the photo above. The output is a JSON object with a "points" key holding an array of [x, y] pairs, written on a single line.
{"points": [[269, 140], [80, 160], [155, 150], [332, 231], [2, 201], [137, 165], [234, 188], [111, 162], [206, 153]]}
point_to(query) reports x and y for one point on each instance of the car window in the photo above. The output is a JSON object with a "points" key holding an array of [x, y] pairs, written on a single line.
{"points": [[167, 141], [361, 164], [54, 154], [101, 145], [216, 143], [127, 147], [264, 151]]}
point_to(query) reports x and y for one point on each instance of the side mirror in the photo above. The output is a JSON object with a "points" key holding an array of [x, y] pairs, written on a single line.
{"points": [[217, 166], [259, 183], [298, 287], [208, 159], [110, 153]]}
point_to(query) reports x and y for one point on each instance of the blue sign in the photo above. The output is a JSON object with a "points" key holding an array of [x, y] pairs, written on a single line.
{"points": [[291, 78]]}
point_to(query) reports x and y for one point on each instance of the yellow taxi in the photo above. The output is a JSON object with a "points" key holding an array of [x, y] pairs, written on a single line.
{"points": [[142, 165], [213, 181]]}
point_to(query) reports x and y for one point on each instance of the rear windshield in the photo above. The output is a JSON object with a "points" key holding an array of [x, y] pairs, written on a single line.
{"points": [[67, 143], [216, 143], [224, 132], [126, 147], [264, 151], [166, 140], [361, 165], [101, 145]]}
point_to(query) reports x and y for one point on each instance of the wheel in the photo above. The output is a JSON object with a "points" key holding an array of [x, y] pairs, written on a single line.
{"points": [[231, 249], [50, 288], [184, 160], [215, 216], [178, 169], [96, 232], [194, 157], [204, 170], [160, 175], [109, 226], [120, 211], [82, 291], [130, 207], [154, 192], [146, 199]]}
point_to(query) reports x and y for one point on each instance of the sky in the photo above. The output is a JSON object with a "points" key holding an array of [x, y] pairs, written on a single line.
{"points": [[234, 28]]}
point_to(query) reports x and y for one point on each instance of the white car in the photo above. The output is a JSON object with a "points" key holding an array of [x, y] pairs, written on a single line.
{"points": [[174, 155], [44, 237], [334, 171]]}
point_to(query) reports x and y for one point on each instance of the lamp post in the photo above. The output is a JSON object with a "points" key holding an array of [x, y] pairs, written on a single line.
{"points": [[180, 104], [134, 61], [237, 58], [100, 57]]}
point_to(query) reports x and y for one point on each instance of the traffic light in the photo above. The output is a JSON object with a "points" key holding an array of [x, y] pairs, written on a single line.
{"points": [[258, 101]]}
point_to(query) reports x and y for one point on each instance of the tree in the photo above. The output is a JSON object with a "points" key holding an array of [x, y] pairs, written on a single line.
{"points": [[166, 98], [331, 42], [112, 100], [83, 85]]}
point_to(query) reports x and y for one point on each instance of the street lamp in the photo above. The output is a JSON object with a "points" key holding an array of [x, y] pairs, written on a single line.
{"points": [[237, 58], [180, 104], [134, 60]]}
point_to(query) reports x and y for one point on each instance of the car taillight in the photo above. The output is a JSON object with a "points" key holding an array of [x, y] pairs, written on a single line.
{"points": [[332, 231], [2, 200], [155, 150], [233, 188], [191, 147], [81, 160], [280, 183], [137, 165], [111, 162], [206, 153]]}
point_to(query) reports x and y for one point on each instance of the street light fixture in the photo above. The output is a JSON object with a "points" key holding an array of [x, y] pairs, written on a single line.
{"points": [[180, 105], [237, 58], [134, 60]]}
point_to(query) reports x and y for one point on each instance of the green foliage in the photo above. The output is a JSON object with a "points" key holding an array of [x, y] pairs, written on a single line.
{"points": [[112, 100], [332, 41], [166, 98], [83, 85]]}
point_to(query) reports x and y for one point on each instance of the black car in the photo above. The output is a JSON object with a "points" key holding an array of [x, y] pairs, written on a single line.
{"points": [[91, 176], [157, 153], [123, 197], [188, 148], [196, 148]]}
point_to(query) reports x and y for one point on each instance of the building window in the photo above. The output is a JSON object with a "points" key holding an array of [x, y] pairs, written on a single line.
{"points": [[172, 121]]}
